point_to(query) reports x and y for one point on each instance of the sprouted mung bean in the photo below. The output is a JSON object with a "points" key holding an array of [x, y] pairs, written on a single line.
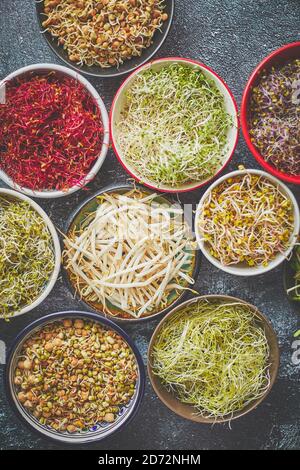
{"points": [[75, 374], [104, 33], [214, 356], [246, 219], [130, 254], [275, 116], [26, 256], [174, 126]]}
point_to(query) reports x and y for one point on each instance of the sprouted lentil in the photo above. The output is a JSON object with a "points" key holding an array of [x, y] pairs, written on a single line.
{"points": [[131, 253], [75, 374], [275, 116], [214, 356], [173, 128], [246, 219], [104, 32], [26, 256]]}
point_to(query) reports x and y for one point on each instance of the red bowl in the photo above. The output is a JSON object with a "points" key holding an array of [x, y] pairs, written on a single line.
{"points": [[276, 58], [228, 96]]}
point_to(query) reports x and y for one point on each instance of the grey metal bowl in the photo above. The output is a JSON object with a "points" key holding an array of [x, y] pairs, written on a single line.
{"points": [[100, 430]]}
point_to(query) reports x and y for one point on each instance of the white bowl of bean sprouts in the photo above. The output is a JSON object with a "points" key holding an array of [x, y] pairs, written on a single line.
{"points": [[247, 222]]}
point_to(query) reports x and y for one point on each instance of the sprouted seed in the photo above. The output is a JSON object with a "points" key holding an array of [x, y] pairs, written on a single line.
{"points": [[26, 256], [275, 116], [174, 127], [246, 219], [130, 254], [214, 356], [294, 291], [73, 375], [104, 33]]}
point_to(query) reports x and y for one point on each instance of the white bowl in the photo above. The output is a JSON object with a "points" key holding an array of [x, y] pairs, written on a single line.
{"points": [[240, 269], [57, 252], [51, 194], [120, 101]]}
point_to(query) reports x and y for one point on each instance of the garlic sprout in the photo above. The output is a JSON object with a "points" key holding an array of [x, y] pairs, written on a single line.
{"points": [[130, 254]]}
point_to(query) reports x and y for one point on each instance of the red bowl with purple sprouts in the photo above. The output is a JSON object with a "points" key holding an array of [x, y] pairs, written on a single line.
{"points": [[273, 89]]}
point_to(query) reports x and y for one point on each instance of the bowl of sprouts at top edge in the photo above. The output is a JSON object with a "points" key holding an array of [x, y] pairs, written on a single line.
{"points": [[173, 124], [291, 277], [105, 38], [270, 113], [54, 131], [247, 222]]}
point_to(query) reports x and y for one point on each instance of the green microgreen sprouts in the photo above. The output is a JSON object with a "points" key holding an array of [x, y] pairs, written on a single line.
{"points": [[173, 129]]}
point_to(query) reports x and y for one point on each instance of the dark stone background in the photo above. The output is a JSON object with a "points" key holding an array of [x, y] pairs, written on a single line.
{"points": [[231, 36]]}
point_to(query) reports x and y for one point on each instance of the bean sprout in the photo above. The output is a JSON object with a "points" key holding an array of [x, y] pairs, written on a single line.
{"points": [[131, 253]]}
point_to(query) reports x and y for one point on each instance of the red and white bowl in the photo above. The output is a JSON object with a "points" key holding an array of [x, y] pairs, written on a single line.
{"points": [[119, 103], [279, 57]]}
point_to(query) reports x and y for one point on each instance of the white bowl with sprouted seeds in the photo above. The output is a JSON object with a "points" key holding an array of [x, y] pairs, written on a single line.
{"points": [[39, 239], [174, 124], [247, 222]]}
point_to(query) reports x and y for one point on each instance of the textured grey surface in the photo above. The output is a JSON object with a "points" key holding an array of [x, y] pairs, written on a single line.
{"points": [[231, 36]]}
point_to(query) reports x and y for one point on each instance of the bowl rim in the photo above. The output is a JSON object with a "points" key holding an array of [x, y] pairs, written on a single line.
{"points": [[76, 314], [120, 90], [256, 270], [276, 363], [244, 112], [56, 245], [69, 221], [116, 73], [52, 194]]}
